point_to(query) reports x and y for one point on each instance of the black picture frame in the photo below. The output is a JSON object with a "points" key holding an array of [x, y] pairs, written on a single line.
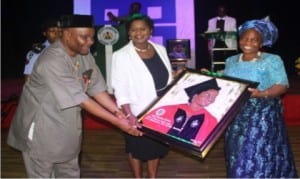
{"points": [[185, 46], [232, 95]]}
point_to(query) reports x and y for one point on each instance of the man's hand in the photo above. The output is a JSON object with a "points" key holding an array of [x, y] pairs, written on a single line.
{"points": [[130, 127], [134, 131], [133, 121]]}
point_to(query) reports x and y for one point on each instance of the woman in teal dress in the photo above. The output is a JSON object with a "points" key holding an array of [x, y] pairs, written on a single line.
{"points": [[256, 142]]}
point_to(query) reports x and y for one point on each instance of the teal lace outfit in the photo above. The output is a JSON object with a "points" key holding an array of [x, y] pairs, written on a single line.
{"points": [[256, 142]]}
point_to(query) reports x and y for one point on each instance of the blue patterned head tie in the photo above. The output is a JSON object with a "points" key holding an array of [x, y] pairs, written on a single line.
{"points": [[264, 27]]}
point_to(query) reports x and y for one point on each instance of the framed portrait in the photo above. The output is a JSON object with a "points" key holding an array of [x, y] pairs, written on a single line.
{"points": [[178, 49], [195, 110]]}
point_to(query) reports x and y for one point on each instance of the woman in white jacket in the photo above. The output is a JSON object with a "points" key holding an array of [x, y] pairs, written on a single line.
{"points": [[141, 70]]}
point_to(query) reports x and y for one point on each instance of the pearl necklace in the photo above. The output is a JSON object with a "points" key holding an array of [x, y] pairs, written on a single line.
{"points": [[252, 60], [142, 50]]}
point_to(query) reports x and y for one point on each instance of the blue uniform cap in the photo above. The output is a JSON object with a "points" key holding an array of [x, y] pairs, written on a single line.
{"points": [[49, 23]]}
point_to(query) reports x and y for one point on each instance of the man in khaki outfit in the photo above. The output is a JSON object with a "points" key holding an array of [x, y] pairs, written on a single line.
{"points": [[47, 126]]}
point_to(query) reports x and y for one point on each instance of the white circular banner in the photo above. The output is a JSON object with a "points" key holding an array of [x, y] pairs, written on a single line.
{"points": [[108, 35]]}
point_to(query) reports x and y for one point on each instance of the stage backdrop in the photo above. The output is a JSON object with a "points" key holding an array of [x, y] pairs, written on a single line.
{"points": [[173, 19]]}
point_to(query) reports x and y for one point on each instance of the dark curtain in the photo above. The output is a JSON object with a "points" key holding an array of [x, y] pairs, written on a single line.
{"points": [[283, 14]]}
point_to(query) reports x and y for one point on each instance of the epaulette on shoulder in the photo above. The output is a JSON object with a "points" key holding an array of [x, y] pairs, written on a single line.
{"points": [[37, 48]]}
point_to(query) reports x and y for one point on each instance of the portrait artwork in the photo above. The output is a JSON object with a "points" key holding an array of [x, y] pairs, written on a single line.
{"points": [[178, 49], [195, 110]]}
